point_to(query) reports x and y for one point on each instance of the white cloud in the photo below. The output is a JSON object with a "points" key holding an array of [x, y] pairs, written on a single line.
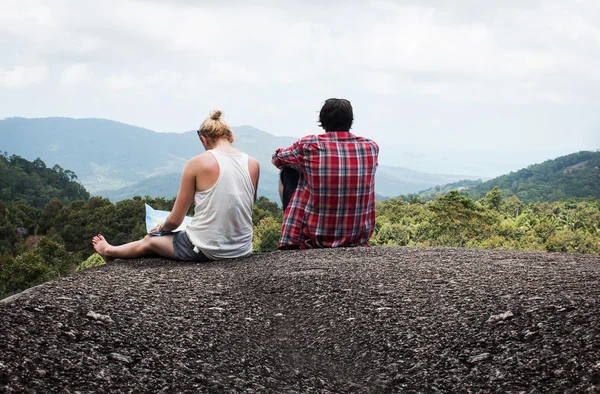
{"points": [[75, 75], [153, 84], [233, 74], [123, 81], [19, 11], [301, 45], [22, 76]]}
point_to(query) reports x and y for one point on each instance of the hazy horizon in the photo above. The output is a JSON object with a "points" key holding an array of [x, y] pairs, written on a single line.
{"points": [[480, 163]]}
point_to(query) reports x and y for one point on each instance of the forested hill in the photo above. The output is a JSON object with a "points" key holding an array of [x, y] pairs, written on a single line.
{"points": [[32, 183], [574, 175], [430, 194]]}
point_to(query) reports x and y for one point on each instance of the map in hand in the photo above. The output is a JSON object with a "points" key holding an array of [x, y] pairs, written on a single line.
{"points": [[154, 217]]}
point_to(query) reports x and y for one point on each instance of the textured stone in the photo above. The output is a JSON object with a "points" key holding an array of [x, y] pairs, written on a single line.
{"points": [[364, 320]]}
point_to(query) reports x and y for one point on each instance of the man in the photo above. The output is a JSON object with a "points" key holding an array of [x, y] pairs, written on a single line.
{"points": [[332, 203]]}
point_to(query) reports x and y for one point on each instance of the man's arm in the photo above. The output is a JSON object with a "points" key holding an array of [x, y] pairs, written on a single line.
{"points": [[292, 157]]}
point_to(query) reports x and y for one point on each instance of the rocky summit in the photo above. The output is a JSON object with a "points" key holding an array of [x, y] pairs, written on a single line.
{"points": [[345, 320]]}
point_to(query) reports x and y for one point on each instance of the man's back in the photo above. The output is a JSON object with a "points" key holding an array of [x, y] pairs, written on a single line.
{"points": [[334, 203]]}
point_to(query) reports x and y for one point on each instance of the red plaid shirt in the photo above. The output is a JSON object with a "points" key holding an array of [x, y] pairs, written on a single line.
{"points": [[334, 204]]}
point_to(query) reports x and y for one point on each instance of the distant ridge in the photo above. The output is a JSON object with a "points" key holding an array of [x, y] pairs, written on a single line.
{"points": [[119, 161], [576, 175]]}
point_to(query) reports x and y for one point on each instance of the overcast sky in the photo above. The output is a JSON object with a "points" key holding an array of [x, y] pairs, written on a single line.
{"points": [[428, 75]]}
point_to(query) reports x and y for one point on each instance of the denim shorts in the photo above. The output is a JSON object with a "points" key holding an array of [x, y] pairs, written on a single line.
{"points": [[184, 248]]}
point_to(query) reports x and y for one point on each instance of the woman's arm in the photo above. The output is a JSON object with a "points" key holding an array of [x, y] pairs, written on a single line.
{"points": [[254, 169], [185, 196]]}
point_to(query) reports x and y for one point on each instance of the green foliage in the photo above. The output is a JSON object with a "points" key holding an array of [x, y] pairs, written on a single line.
{"points": [[493, 199], [46, 261], [32, 183], [57, 257], [66, 232], [567, 240], [94, 260], [393, 234], [8, 231], [512, 206], [455, 220], [265, 208], [21, 272], [266, 219], [266, 235], [75, 224], [438, 190]]}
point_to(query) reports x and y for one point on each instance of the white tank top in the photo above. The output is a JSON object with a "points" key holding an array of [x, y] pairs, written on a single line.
{"points": [[222, 224]]}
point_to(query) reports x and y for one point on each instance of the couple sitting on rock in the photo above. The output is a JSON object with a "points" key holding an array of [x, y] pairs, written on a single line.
{"points": [[327, 186]]}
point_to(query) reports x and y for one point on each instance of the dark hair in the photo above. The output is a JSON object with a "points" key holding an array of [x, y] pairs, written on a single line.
{"points": [[336, 115]]}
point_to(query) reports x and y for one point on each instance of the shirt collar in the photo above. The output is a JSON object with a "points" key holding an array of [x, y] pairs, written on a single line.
{"points": [[337, 135]]}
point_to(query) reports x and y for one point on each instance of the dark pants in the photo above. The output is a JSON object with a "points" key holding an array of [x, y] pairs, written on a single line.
{"points": [[289, 178]]}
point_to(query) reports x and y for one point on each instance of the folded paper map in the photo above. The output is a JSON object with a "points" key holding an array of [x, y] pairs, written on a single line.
{"points": [[154, 217]]}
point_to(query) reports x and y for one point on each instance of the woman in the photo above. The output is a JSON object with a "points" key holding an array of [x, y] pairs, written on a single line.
{"points": [[223, 182]]}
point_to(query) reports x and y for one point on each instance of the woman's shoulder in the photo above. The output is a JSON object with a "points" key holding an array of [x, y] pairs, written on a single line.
{"points": [[202, 160], [253, 163], [202, 156]]}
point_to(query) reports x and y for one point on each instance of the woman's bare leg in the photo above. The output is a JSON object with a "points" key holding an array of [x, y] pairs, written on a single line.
{"points": [[149, 246]]}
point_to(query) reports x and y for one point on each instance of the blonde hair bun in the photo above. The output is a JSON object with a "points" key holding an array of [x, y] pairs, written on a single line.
{"points": [[214, 128]]}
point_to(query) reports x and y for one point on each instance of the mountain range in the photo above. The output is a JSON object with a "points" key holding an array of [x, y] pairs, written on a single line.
{"points": [[119, 161]]}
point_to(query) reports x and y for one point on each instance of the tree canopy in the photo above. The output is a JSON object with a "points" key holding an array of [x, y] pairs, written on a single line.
{"points": [[33, 183]]}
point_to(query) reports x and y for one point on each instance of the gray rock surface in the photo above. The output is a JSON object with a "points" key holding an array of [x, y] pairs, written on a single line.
{"points": [[344, 320]]}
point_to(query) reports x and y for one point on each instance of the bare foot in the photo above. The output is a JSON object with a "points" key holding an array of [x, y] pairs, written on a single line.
{"points": [[100, 246]]}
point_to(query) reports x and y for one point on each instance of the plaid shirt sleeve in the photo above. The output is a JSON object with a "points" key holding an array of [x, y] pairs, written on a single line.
{"points": [[293, 157], [289, 157]]}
